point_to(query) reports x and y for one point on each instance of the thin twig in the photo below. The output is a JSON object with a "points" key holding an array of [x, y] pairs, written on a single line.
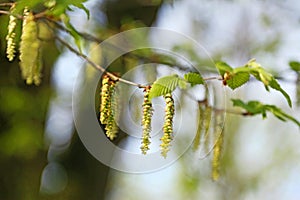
{"points": [[213, 78], [96, 66], [6, 4], [18, 16], [228, 111], [92, 38]]}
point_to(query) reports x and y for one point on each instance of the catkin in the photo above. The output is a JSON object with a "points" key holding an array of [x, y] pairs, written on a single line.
{"points": [[105, 100], [168, 125], [10, 37], [29, 50], [217, 151], [207, 123], [107, 112], [146, 121], [200, 127]]}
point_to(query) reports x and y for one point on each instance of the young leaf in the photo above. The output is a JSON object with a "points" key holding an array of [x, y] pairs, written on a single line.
{"points": [[61, 6], [237, 79], [223, 68], [256, 107], [21, 4], [280, 114], [267, 79], [77, 37], [294, 65], [182, 83], [164, 85], [252, 107], [275, 85], [193, 78]]}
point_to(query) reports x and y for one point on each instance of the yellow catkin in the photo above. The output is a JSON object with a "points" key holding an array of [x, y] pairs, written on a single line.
{"points": [[29, 49], [105, 100], [111, 127], [146, 121], [10, 37], [168, 125], [207, 123], [107, 106], [217, 151], [200, 127]]}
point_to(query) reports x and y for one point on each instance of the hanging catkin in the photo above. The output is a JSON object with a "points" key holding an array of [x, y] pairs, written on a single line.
{"points": [[105, 100], [107, 106], [217, 151], [168, 125], [29, 50], [11, 35], [200, 127], [146, 121]]}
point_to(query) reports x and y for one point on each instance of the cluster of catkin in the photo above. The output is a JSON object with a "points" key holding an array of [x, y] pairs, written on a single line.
{"points": [[167, 127], [108, 116], [30, 63]]}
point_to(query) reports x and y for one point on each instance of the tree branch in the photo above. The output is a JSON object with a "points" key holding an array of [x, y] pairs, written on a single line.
{"points": [[96, 66], [6, 4]]}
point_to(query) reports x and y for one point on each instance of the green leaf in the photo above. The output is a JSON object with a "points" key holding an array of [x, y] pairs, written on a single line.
{"points": [[252, 107], [256, 107], [61, 6], [294, 65], [74, 33], [82, 7], [223, 68], [193, 78], [25, 3], [267, 79], [182, 84], [236, 80], [164, 85], [275, 85], [277, 112]]}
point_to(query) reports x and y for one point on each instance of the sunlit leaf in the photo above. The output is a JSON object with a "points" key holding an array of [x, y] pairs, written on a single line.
{"points": [[256, 107], [237, 79], [294, 65], [182, 84], [275, 85], [77, 37], [267, 79], [164, 85], [193, 78], [252, 107], [61, 6], [223, 68], [25, 3]]}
